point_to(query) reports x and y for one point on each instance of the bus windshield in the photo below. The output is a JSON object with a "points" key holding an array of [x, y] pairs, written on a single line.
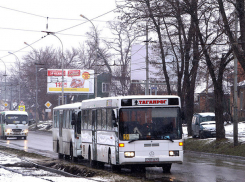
{"points": [[16, 119], [150, 124]]}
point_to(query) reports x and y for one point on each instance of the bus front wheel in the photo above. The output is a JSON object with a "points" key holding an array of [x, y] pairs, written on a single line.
{"points": [[114, 168], [166, 168]]}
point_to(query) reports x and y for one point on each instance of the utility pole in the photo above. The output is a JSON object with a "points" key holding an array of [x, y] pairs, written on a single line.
{"points": [[235, 119], [147, 63]]}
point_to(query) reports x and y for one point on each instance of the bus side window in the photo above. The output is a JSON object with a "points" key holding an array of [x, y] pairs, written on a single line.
{"points": [[85, 119], [71, 119], [85, 124], [99, 119], [68, 119], [64, 119], [109, 119], [79, 123], [103, 119], [89, 123]]}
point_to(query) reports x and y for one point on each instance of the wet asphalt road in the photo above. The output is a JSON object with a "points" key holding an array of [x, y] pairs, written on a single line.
{"points": [[196, 167]]}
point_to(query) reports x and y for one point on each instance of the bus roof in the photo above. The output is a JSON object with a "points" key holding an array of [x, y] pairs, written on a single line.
{"points": [[15, 112], [102, 102], [69, 106]]}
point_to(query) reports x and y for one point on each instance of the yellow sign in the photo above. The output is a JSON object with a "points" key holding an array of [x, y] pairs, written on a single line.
{"points": [[22, 108], [48, 104], [125, 136], [5, 104]]}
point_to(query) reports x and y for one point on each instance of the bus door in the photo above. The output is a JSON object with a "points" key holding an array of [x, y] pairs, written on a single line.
{"points": [[60, 131], [77, 129], [94, 134]]}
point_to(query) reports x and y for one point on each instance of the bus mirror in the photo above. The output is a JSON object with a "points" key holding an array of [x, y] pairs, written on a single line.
{"points": [[114, 114], [114, 117], [73, 122], [114, 123]]}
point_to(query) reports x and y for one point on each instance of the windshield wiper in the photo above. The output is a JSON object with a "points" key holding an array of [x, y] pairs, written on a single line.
{"points": [[131, 141], [168, 138]]}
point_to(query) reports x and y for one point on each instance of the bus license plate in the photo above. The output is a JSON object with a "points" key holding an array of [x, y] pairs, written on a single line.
{"points": [[151, 159], [17, 133]]}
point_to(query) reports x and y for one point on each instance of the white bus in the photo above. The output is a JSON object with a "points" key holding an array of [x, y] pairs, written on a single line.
{"points": [[14, 124], [67, 131], [132, 131]]}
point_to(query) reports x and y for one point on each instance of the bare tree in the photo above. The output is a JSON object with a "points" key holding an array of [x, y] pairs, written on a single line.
{"points": [[228, 24], [217, 62], [125, 35]]}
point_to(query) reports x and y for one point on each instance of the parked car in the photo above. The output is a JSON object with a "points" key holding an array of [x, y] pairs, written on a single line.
{"points": [[199, 118], [208, 129]]}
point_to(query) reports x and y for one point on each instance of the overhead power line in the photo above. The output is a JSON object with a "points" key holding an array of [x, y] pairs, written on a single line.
{"points": [[41, 16]]}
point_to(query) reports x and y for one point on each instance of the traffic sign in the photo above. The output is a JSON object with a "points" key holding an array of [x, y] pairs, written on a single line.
{"points": [[48, 104], [5, 104], [47, 110], [21, 108]]}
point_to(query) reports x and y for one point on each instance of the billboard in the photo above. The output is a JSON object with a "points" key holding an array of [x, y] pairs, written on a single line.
{"points": [[138, 63], [75, 81]]}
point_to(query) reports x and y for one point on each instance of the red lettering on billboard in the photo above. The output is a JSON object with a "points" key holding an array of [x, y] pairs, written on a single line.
{"points": [[56, 73], [72, 73]]}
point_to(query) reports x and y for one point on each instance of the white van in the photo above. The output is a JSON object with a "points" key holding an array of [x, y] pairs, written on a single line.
{"points": [[198, 129]]}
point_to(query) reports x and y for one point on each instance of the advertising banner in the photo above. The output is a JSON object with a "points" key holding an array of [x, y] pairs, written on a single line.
{"points": [[75, 81]]}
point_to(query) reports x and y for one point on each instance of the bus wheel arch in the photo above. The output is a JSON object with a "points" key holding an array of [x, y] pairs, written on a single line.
{"points": [[60, 156], [91, 161], [109, 156]]}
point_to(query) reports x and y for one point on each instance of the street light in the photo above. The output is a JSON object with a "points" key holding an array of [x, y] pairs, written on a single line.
{"points": [[62, 64], [19, 72], [36, 64], [96, 46]]}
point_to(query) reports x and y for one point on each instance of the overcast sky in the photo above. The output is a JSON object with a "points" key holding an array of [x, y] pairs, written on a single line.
{"points": [[23, 20]]}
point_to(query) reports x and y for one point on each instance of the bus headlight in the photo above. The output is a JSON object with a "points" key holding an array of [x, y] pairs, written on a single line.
{"points": [[25, 131], [129, 154], [8, 130], [173, 153]]}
